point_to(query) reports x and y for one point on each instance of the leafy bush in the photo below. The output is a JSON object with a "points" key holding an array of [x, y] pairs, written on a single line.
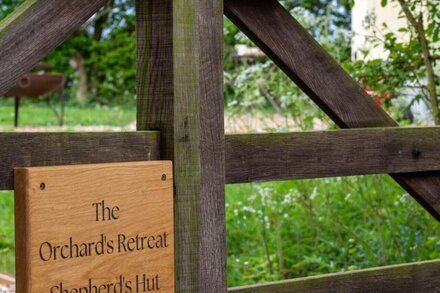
{"points": [[301, 228]]}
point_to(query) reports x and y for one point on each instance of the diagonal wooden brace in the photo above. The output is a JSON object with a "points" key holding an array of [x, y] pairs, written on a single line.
{"points": [[36, 28], [295, 51]]}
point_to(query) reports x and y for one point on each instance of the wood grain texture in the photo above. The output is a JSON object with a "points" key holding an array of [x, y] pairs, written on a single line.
{"points": [[104, 227], [283, 39], [50, 149], [199, 146], [406, 278], [154, 81], [35, 29], [317, 154], [180, 93]]}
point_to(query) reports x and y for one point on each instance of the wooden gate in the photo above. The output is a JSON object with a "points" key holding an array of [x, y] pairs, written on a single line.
{"points": [[180, 117]]}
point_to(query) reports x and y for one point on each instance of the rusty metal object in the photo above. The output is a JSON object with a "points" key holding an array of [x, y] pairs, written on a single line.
{"points": [[34, 85]]}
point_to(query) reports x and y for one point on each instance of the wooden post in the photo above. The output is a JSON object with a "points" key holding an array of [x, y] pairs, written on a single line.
{"points": [[154, 29], [180, 93]]}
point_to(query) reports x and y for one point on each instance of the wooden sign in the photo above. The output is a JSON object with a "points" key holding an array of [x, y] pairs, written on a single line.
{"points": [[95, 228]]}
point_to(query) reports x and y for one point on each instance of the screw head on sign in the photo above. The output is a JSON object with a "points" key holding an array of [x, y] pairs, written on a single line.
{"points": [[164, 177], [42, 185]]}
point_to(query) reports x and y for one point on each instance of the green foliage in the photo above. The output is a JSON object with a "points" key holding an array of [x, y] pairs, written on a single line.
{"points": [[6, 232], [433, 27], [338, 10], [403, 71], [258, 85], [291, 229], [107, 47], [117, 75], [7, 6]]}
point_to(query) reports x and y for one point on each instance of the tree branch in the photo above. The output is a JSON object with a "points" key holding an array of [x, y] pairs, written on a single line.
{"points": [[427, 59]]}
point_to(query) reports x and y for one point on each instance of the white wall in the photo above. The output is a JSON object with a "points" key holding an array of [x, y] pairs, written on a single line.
{"points": [[388, 15]]}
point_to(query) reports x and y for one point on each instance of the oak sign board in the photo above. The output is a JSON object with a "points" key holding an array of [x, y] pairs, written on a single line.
{"points": [[95, 228]]}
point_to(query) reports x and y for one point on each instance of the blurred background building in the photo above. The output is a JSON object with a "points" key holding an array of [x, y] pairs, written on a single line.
{"points": [[370, 20]]}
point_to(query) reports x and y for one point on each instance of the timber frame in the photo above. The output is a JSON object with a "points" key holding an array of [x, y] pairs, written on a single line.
{"points": [[180, 118]]}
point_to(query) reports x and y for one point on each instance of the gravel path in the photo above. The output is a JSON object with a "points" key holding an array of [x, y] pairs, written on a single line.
{"points": [[7, 284], [233, 124]]}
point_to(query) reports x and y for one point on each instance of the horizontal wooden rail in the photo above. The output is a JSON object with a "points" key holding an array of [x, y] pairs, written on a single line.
{"points": [[49, 149], [36, 28], [249, 157], [316, 154], [406, 278]]}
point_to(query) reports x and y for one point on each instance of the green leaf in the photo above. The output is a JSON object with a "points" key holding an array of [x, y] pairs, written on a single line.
{"points": [[383, 2], [403, 30]]}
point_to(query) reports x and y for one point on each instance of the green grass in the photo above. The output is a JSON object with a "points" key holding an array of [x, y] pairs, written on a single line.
{"points": [[39, 114], [290, 229], [7, 261]]}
